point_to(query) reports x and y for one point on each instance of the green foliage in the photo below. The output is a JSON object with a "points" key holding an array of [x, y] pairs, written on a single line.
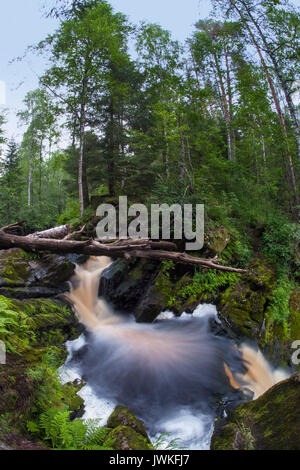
{"points": [[161, 443], [280, 238], [49, 389], [207, 284], [14, 327], [60, 431], [55, 428], [278, 310], [70, 214], [50, 417]]}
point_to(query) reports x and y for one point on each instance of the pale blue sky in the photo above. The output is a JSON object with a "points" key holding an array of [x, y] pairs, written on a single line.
{"points": [[22, 23]]}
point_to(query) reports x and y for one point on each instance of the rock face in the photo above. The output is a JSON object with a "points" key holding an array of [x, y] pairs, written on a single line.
{"points": [[269, 423], [128, 433]]}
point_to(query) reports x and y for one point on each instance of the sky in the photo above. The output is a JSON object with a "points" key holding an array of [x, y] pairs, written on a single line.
{"points": [[23, 23]]}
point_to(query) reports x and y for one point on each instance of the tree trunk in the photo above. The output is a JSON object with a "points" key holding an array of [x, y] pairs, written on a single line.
{"points": [[146, 249], [80, 164], [30, 171], [226, 108]]}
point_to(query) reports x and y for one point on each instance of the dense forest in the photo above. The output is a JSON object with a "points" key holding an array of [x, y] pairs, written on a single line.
{"points": [[212, 121], [124, 109]]}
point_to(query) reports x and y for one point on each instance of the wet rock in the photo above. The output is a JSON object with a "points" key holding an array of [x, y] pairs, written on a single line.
{"points": [[71, 398], [269, 423], [124, 284], [29, 292]]}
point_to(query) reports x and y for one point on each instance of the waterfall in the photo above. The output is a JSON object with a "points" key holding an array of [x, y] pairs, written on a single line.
{"points": [[167, 372]]}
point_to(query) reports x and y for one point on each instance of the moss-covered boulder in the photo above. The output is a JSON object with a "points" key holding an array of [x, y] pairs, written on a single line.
{"points": [[126, 438], [23, 275], [15, 269], [128, 433], [269, 423], [122, 416], [35, 324], [71, 398], [242, 306]]}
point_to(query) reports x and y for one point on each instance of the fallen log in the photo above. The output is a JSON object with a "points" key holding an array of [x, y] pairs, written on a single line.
{"points": [[57, 232], [128, 249]]}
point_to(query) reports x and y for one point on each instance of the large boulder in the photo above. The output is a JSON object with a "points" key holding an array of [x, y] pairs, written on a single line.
{"points": [[269, 423]]}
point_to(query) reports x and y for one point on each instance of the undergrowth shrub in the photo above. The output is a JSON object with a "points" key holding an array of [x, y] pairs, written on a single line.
{"points": [[207, 284], [280, 240]]}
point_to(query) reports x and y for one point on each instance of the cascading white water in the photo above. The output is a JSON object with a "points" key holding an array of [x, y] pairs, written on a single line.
{"points": [[168, 372]]}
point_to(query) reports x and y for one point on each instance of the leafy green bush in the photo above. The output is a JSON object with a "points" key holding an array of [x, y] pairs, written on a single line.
{"points": [[279, 240], [71, 213], [55, 427]]}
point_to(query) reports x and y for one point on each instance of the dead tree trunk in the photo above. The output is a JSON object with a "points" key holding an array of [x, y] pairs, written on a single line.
{"points": [[127, 249]]}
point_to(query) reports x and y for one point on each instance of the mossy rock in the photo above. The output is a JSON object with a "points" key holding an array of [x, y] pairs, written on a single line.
{"points": [[122, 416], [24, 275], [243, 305], [128, 432], [126, 438], [71, 398], [269, 423], [218, 240], [40, 323], [14, 268]]}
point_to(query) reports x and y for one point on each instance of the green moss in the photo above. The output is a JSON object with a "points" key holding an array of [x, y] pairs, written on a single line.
{"points": [[218, 240], [14, 267], [71, 398], [34, 322], [126, 438], [122, 416]]}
